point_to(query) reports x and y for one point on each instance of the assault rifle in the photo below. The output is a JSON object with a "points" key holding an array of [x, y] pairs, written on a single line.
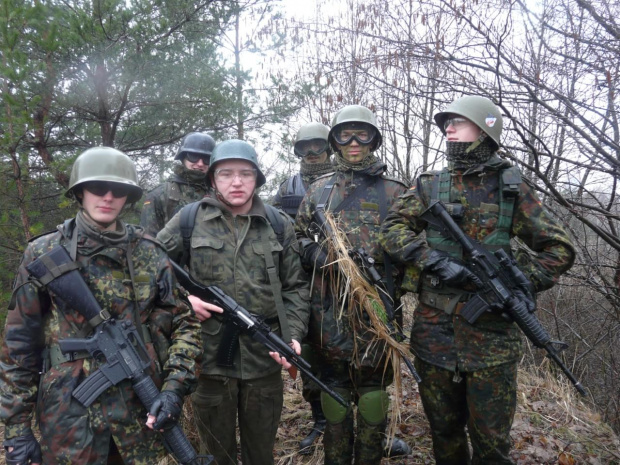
{"points": [[501, 280], [320, 228], [116, 344], [235, 315]]}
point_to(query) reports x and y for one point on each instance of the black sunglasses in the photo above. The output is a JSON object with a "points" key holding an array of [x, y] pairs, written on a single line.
{"points": [[194, 157], [101, 188]]}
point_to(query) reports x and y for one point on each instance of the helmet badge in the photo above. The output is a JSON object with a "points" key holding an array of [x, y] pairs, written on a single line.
{"points": [[490, 120]]}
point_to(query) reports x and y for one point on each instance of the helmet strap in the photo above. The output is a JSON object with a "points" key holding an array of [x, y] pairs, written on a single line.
{"points": [[481, 138]]}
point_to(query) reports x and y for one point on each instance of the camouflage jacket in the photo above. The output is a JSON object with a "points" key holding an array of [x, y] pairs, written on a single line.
{"points": [[39, 319], [361, 220], [439, 335], [227, 251], [163, 202]]}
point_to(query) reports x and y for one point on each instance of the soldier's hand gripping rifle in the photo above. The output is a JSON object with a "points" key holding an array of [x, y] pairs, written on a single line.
{"points": [[504, 286], [235, 314], [320, 229], [116, 344]]}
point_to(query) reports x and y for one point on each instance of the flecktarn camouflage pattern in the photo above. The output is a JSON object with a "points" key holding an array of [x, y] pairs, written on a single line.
{"points": [[447, 347], [166, 200], [35, 382]]}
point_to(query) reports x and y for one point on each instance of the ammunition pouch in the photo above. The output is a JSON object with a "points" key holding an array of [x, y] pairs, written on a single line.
{"points": [[435, 294]]}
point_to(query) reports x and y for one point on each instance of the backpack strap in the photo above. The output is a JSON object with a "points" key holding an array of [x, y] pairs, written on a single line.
{"points": [[186, 224], [277, 224]]}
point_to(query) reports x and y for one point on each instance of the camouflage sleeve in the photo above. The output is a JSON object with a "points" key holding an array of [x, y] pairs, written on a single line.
{"points": [[401, 233], [152, 217], [543, 234], [295, 286], [185, 348], [22, 347], [170, 237]]}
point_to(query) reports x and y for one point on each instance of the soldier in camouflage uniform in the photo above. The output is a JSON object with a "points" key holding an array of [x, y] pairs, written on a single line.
{"points": [[360, 198], [187, 184], [132, 278], [234, 246], [469, 372], [312, 147]]}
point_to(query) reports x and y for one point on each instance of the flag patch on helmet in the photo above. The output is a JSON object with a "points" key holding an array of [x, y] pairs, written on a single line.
{"points": [[490, 120]]}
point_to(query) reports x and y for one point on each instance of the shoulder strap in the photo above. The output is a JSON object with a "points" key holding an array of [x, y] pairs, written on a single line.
{"points": [[509, 180], [441, 186], [277, 223], [186, 224]]}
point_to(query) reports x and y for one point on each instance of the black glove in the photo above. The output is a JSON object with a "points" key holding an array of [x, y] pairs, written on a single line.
{"points": [[527, 298], [26, 449], [167, 410], [449, 270], [314, 255]]}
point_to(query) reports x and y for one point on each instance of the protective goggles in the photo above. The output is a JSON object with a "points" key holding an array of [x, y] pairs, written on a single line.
{"points": [[101, 188], [193, 157], [362, 133], [456, 122], [305, 148]]}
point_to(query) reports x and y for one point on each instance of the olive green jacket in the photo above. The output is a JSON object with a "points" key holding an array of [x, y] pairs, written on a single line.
{"points": [[227, 251]]}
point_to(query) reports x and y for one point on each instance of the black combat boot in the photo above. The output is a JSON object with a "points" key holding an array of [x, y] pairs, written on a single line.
{"points": [[396, 449], [317, 429]]}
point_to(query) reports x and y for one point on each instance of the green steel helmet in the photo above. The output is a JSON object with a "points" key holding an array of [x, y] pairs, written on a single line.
{"points": [[356, 115], [480, 110], [235, 149], [196, 142], [312, 139], [105, 164]]}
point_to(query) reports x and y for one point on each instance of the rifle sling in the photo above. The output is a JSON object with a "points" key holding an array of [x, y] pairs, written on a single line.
{"points": [[387, 261], [144, 332]]}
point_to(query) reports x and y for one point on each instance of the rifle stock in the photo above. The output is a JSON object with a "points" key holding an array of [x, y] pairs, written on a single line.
{"points": [[118, 342], [500, 277], [237, 315]]}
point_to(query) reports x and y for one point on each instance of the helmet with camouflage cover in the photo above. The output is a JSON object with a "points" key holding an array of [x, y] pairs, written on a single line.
{"points": [[196, 142], [352, 114], [235, 149], [105, 164], [309, 139], [480, 110]]}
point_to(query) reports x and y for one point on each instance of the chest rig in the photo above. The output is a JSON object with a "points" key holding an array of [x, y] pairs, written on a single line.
{"points": [[437, 294], [509, 181]]}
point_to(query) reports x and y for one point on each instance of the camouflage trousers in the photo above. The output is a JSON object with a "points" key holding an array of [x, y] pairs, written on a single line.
{"points": [[311, 392], [257, 403], [484, 401], [341, 443]]}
